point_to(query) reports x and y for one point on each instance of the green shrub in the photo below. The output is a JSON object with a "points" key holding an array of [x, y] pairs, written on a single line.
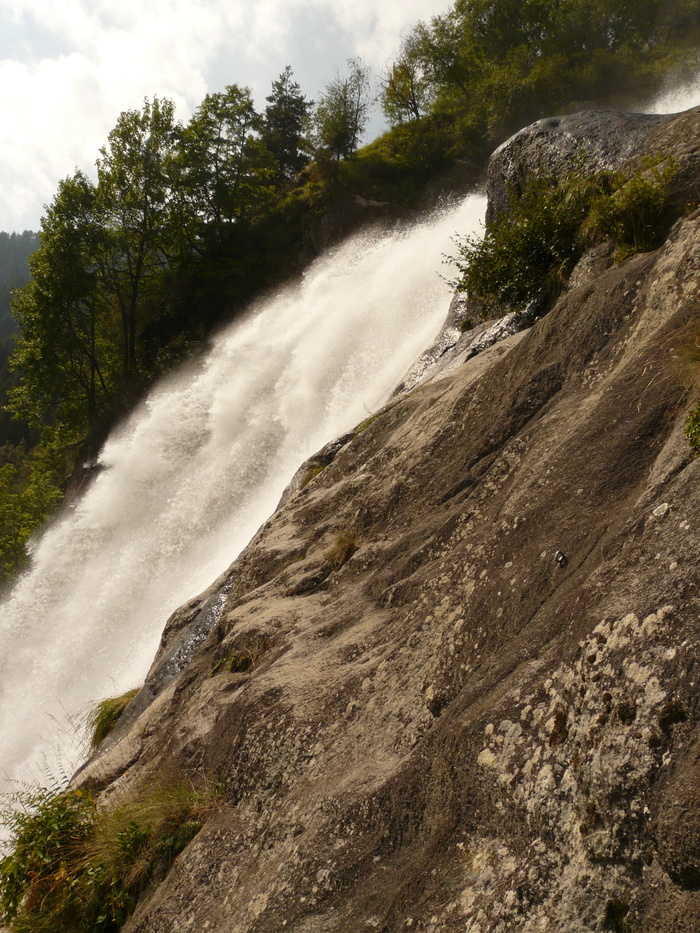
{"points": [[105, 715], [74, 867], [48, 831], [635, 212], [527, 254]]}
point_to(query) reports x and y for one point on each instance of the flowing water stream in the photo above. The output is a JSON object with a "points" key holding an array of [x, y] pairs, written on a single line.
{"points": [[192, 474]]}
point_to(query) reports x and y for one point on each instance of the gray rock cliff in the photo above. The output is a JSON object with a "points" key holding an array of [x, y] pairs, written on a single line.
{"points": [[595, 139], [474, 703]]}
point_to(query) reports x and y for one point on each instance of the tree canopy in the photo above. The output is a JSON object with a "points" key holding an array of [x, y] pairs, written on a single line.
{"points": [[341, 113], [494, 65]]}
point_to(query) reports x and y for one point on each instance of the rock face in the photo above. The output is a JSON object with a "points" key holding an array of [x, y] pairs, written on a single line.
{"points": [[473, 704], [599, 139]]}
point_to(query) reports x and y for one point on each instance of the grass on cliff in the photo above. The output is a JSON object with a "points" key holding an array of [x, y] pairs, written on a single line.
{"points": [[75, 867], [688, 364], [105, 715], [526, 255]]}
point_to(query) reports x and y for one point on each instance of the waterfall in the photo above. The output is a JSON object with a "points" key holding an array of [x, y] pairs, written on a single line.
{"points": [[192, 474], [678, 97]]}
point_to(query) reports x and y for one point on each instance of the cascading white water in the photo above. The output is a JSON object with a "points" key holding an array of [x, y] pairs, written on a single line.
{"points": [[194, 472], [678, 97]]}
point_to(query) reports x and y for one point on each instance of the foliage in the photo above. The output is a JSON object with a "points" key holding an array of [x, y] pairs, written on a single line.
{"points": [[341, 113], [527, 254], [48, 831], [66, 361], [226, 170], [134, 228], [29, 492], [496, 65], [105, 715], [76, 867], [284, 126], [635, 214], [406, 90]]}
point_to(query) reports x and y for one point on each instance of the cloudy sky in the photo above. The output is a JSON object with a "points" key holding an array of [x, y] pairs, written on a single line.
{"points": [[69, 67]]}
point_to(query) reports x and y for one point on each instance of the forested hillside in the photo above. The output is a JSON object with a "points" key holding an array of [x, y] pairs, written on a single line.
{"points": [[181, 225]]}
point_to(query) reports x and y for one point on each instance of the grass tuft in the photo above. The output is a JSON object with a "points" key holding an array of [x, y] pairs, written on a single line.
{"points": [[310, 473], [344, 547], [105, 715], [74, 866]]}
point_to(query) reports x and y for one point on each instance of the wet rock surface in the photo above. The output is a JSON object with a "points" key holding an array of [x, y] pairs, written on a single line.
{"points": [[473, 704], [591, 140]]}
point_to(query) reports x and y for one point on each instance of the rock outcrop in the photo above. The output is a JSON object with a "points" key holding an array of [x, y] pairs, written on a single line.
{"points": [[473, 699], [592, 140]]}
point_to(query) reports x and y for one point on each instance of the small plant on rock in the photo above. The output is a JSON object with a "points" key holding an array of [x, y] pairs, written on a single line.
{"points": [[76, 867], [106, 714], [526, 255], [634, 213], [251, 648], [345, 546], [687, 364], [311, 473], [692, 429]]}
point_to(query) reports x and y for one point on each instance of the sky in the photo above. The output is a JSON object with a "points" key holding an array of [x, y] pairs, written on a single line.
{"points": [[68, 68]]}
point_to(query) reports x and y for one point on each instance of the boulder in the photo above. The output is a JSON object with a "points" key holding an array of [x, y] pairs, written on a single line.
{"points": [[593, 139]]}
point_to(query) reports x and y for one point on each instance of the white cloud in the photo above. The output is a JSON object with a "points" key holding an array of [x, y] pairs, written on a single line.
{"points": [[74, 65]]}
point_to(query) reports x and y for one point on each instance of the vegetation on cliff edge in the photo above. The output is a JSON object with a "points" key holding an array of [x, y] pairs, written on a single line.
{"points": [[76, 867], [526, 255]]}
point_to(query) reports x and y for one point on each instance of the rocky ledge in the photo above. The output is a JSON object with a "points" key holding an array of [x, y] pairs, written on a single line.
{"points": [[471, 702]]}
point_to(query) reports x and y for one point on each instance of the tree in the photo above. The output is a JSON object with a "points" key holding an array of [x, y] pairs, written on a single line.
{"points": [[226, 170], [284, 122], [137, 225], [65, 353], [15, 250], [341, 113], [406, 88]]}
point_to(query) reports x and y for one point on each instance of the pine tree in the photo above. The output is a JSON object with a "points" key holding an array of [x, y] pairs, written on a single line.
{"points": [[285, 119]]}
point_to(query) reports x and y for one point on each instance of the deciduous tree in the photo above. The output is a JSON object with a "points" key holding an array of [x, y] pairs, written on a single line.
{"points": [[341, 113], [226, 169], [406, 89], [136, 216], [66, 351]]}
